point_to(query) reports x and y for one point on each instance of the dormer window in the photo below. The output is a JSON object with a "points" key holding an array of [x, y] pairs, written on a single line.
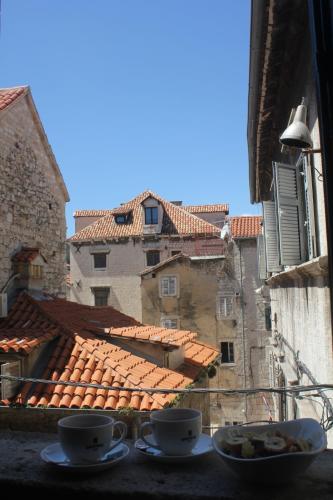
{"points": [[121, 218], [151, 215]]}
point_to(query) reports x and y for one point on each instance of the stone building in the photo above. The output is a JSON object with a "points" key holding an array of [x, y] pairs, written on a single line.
{"points": [[32, 200], [288, 179], [215, 296], [111, 247]]}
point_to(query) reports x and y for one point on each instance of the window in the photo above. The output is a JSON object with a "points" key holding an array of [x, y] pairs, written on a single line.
{"points": [[101, 296], [289, 232], [121, 219], [224, 306], [169, 323], [36, 272], [153, 257], [151, 215], [99, 260], [168, 286], [268, 319], [227, 352]]}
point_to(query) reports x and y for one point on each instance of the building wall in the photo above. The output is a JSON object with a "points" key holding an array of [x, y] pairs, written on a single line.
{"points": [[300, 294], [32, 204], [216, 218], [302, 316], [126, 259], [195, 307]]}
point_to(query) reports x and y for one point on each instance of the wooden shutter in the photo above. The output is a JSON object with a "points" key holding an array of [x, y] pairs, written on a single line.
{"points": [[261, 257], [9, 387], [309, 211], [271, 237], [290, 214]]}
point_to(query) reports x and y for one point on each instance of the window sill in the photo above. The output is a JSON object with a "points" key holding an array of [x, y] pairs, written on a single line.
{"points": [[228, 365], [22, 470], [310, 269]]}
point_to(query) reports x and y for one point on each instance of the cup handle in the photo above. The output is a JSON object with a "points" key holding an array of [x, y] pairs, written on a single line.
{"points": [[123, 432], [145, 425]]}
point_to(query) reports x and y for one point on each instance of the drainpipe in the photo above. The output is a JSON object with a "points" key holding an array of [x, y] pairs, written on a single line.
{"points": [[243, 327]]}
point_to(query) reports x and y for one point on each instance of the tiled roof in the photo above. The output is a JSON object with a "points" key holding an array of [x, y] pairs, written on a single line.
{"points": [[83, 352], [26, 255], [92, 213], [245, 226], [176, 220], [154, 335], [7, 96], [164, 263], [197, 209]]}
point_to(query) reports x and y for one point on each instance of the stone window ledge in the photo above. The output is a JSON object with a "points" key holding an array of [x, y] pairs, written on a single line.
{"points": [[312, 269], [22, 471]]}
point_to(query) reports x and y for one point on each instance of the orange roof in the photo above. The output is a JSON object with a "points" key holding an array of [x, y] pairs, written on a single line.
{"points": [[245, 226], [7, 96], [26, 255], [197, 209], [84, 352], [176, 220], [154, 335], [92, 213]]}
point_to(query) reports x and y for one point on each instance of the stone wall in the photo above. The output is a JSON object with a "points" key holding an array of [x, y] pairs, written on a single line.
{"points": [[32, 203], [126, 259], [194, 307]]}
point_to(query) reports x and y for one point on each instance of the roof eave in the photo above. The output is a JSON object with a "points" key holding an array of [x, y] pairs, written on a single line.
{"points": [[259, 25]]}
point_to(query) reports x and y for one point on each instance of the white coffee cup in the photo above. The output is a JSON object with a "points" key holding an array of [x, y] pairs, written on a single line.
{"points": [[88, 438], [175, 430]]}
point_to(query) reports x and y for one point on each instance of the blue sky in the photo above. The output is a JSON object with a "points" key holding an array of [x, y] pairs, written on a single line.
{"points": [[137, 94]]}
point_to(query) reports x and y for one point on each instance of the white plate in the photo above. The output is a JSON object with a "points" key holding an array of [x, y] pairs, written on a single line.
{"points": [[203, 446], [54, 454]]}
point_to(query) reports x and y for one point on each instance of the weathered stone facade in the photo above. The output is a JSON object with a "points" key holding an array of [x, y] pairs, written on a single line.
{"points": [[32, 194], [200, 283]]}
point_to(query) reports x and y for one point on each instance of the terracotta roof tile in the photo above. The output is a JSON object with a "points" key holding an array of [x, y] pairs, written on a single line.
{"points": [[7, 96], [197, 209], [92, 213], [81, 355], [176, 220], [245, 226], [26, 254]]}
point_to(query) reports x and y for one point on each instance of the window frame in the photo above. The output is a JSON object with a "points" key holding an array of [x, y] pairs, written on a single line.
{"points": [[230, 353], [96, 290], [152, 217], [162, 289], [170, 319], [94, 255], [151, 253]]}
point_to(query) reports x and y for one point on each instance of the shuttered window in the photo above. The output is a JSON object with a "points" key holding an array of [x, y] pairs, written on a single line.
{"points": [[271, 237], [290, 212]]}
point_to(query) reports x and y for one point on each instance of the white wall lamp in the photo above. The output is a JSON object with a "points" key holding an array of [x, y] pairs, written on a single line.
{"points": [[297, 134]]}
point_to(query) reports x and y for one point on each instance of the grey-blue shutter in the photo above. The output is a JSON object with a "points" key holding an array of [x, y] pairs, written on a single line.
{"points": [[261, 254], [271, 237], [290, 214]]}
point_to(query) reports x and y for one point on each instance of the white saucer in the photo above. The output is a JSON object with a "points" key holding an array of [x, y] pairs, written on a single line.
{"points": [[54, 454], [203, 446]]}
